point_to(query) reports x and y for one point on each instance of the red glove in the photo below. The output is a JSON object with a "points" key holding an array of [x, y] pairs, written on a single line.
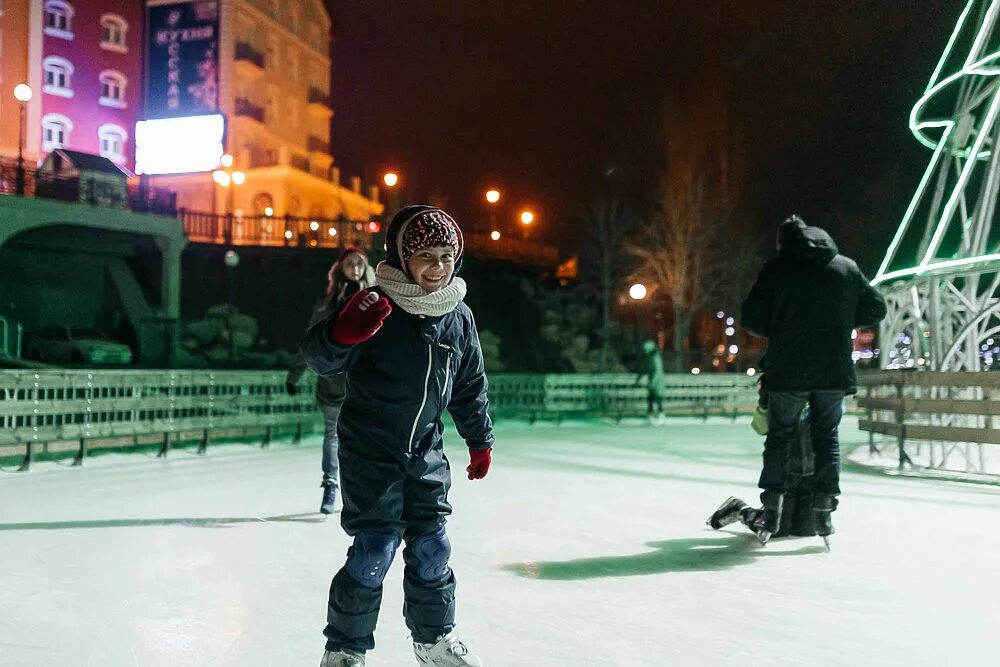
{"points": [[480, 463], [361, 318]]}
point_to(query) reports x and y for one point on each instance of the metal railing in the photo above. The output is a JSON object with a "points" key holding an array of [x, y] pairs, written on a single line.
{"points": [[514, 250], [247, 52], [46, 185], [317, 144], [263, 230], [42, 410], [618, 395], [931, 419], [245, 107], [11, 338]]}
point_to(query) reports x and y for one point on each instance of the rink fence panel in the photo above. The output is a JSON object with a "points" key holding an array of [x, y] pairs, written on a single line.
{"points": [[54, 411], [618, 395], [43, 410], [937, 421]]}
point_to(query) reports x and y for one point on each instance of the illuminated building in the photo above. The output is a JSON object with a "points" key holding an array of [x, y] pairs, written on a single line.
{"points": [[264, 65], [83, 61]]}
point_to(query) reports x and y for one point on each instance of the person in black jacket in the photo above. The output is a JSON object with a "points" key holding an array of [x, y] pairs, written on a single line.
{"points": [[806, 302], [349, 274], [411, 350]]}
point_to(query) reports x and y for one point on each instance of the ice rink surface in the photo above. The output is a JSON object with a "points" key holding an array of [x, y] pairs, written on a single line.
{"points": [[585, 545]]}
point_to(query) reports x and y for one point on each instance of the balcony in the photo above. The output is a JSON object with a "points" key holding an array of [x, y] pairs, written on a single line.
{"points": [[246, 108], [319, 103], [249, 59], [274, 231], [317, 145]]}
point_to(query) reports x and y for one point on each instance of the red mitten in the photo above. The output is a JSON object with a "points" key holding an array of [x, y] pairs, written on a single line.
{"points": [[361, 318], [480, 463]]}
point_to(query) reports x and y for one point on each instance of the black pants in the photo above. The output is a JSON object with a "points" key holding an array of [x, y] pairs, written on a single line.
{"points": [[386, 491], [784, 410]]}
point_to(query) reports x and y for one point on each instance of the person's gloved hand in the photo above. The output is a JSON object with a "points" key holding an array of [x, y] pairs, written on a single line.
{"points": [[479, 463], [291, 388], [361, 318]]}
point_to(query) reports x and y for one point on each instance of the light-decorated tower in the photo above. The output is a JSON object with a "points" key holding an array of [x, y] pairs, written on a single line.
{"points": [[941, 273]]}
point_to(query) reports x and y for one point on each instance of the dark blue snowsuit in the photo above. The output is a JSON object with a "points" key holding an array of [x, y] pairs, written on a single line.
{"points": [[394, 474]]}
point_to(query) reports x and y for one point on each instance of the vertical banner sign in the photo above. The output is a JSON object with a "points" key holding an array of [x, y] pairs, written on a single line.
{"points": [[183, 59]]}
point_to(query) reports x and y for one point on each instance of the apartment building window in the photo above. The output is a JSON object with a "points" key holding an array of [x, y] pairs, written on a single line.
{"points": [[56, 129], [57, 77], [113, 85], [112, 140], [59, 19], [113, 30]]}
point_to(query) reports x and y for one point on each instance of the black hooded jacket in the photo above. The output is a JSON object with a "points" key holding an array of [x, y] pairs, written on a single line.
{"points": [[400, 381], [806, 302]]}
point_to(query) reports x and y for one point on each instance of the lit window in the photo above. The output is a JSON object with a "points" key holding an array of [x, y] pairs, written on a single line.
{"points": [[113, 30], [55, 131], [113, 89], [112, 140], [57, 78], [59, 19]]}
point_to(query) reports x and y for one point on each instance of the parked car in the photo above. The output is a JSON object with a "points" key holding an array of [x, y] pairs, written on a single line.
{"points": [[77, 345]]}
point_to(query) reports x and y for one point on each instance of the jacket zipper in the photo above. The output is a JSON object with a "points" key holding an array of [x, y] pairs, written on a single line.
{"points": [[423, 402], [447, 375]]}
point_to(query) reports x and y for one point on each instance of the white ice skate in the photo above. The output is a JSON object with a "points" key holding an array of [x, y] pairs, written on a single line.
{"points": [[448, 651], [342, 658]]}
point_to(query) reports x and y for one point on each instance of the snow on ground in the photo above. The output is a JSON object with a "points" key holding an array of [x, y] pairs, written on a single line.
{"points": [[586, 545]]}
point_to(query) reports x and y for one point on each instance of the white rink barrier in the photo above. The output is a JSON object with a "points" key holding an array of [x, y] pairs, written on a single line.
{"points": [[619, 395], [55, 411]]}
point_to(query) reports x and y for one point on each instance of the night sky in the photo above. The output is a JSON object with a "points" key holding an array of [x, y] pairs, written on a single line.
{"points": [[549, 101]]}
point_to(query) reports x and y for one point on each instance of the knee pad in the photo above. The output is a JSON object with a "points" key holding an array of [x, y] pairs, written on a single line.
{"points": [[370, 556], [432, 552]]}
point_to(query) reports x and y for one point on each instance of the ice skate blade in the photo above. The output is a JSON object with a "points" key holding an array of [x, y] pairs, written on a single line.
{"points": [[763, 536], [826, 542]]}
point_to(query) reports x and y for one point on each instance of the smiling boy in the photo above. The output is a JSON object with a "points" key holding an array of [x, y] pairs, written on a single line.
{"points": [[410, 350]]}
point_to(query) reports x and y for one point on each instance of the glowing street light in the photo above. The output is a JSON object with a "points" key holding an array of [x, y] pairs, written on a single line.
{"points": [[495, 235], [637, 292], [527, 217], [221, 177], [390, 179], [239, 178], [493, 196], [268, 211], [226, 160], [314, 226], [22, 93]]}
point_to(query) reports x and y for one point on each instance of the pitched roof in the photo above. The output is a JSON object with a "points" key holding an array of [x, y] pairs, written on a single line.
{"points": [[89, 162]]}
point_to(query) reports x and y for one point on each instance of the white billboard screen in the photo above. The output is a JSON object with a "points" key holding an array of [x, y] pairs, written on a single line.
{"points": [[179, 145]]}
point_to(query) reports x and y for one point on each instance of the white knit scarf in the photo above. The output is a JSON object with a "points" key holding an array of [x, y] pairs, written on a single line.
{"points": [[413, 298]]}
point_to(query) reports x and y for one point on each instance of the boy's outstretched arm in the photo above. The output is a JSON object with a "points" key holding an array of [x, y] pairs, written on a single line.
{"points": [[328, 344], [469, 407]]}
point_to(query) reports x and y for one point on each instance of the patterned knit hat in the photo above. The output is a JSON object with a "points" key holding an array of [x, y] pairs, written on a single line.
{"points": [[429, 229]]}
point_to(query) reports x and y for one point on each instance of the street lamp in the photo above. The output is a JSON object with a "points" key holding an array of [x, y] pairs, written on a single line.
{"points": [[527, 217], [22, 93], [495, 235], [390, 179], [637, 292], [492, 197], [227, 178]]}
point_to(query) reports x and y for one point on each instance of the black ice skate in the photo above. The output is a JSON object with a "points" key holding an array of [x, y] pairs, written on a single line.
{"points": [[343, 658], [329, 497], [766, 521], [728, 512], [823, 516]]}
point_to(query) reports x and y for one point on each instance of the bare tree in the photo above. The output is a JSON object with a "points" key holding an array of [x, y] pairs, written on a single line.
{"points": [[604, 265], [682, 251]]}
